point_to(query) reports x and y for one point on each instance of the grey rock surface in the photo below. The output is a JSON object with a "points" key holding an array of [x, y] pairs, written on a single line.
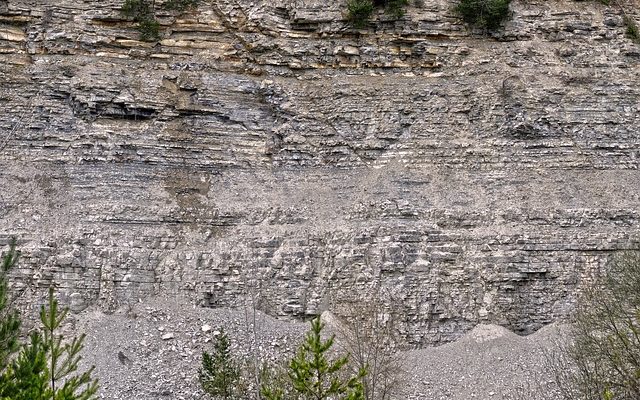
{"points": [[133, 362], [266, 150]]}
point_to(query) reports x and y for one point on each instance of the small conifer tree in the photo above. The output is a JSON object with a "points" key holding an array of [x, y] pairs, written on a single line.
{"points": [[9, 318], [219, 374], [63, 358], [46, 367], [314, 376], [27, 378]]}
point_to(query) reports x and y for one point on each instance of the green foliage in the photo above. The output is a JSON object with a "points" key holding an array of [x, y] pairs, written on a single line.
{"points": [[9, 318], [149, 30], [312, 375], [181, 5], [45, 368], [219, 374], [27, 378], [603, 357], [138, 10], [632, 32], [63, 357], [395, 8], [487, 14], [143, 13], [359, 12]]}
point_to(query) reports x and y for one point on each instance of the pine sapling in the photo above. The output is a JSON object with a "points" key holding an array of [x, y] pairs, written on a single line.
{"points": [[219, 374], [63, 357], [9, 318], [27, 378], [314, 376], [45, 367]]}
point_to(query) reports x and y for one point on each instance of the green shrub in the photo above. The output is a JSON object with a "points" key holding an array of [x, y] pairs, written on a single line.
{"points": [[487, 14], [142, 12], [359, 12], [395, 8], [149, 30], [633, 32], [181, 5], [9, 318], [138, 10]]}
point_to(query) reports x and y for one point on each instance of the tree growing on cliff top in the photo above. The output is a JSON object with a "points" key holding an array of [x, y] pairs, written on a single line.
{"points": [[359, 11], [143, 13], [487, 14]]}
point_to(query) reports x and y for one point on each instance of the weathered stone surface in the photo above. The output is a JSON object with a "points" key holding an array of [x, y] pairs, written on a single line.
{"points": [[266, 148]]}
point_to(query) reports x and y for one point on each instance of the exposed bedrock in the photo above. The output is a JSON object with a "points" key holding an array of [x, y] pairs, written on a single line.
{"points": [[267, 150]]}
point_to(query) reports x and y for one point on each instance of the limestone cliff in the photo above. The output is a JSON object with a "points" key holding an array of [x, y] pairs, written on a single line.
{"points": [[267, 149]]}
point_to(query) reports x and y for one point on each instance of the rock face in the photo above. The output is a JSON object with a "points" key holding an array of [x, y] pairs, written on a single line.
{"points": [[265, 149]]}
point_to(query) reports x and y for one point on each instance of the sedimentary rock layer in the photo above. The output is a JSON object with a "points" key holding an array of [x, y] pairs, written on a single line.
{"points": [[268, 150]]}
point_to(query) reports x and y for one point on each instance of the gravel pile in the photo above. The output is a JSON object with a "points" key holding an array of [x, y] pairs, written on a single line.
{"points": [[490, 362], [152, 351]]}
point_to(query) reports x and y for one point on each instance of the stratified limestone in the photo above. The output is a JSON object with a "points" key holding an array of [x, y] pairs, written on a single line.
{"points": [[267, 149]]}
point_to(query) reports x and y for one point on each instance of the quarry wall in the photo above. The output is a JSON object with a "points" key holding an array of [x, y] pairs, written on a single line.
{"points": [[267, 150]]}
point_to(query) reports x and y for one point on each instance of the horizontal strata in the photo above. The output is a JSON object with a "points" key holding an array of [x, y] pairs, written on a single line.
{"points": [[268, 149]]}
